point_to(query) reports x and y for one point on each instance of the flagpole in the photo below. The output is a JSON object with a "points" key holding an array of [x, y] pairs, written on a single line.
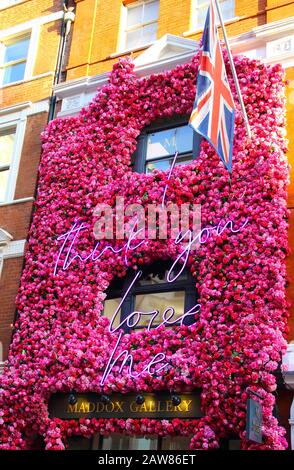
{"points": [[248, 130]]}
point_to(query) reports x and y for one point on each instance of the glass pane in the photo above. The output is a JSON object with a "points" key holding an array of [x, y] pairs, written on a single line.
{"points": [[123, 442], [159, 301], [227, 8], [168, 142], [134, 39], [6, 148], [201, 16], [14, 73], [151, 11], [3, 184], [149, 33], [110, 307], [17, 50], [165, 164], [134, 15], [176, 442]]}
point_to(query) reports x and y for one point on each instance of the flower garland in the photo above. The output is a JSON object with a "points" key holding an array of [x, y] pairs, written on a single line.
{"points": [[61, 341]]}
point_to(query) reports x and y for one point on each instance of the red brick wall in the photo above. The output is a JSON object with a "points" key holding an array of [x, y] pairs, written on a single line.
{"points": [[15, 218], [30, 156], [9, 283]]}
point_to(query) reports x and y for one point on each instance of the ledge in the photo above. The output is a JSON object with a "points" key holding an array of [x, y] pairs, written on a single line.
{"points": [[130, 51], [191, 32], [30, 79], [17, 201]]}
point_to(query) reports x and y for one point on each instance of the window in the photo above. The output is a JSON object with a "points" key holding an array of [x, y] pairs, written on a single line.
{"points": [[124, 442], [199, 11], [157, 147], [7, 139], [141, 23], [15, 52], [152, 292]]}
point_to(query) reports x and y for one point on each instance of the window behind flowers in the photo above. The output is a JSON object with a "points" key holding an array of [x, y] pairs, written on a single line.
{"points": [[158, 144], [152, 292], [162, 146], [141, 23]]}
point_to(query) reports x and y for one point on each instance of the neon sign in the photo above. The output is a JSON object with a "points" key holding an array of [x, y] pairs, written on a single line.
{"points": [[187, 241]]}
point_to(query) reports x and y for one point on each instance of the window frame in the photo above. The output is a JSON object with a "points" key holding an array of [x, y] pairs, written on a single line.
{"points": [[137, 26], [19, 126], [31, 29], [5, 65], [139, 161], [187, 285], [195, 13], [8, 167]]}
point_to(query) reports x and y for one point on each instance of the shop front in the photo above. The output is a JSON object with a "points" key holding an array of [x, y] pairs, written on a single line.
{"points": [[160, 341], [157, 406]]}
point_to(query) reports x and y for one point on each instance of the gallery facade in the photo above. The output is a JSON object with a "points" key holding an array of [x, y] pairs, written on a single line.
{"points": [[85, 371]]}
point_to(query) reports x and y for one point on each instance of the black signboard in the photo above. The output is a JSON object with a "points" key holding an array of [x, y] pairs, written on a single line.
{"points": [[156, 405]]}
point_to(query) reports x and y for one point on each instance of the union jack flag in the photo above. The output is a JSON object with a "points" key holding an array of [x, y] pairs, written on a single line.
{"points": [[213, 115]]}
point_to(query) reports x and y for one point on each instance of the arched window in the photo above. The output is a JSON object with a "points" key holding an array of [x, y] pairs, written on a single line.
{"points": [[151, 292]]}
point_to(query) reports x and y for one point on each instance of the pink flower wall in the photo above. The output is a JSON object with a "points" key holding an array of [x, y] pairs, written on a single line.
{"points": [[62, 343]]}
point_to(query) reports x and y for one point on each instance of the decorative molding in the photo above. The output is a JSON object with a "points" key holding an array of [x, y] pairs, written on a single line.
{"points": [[15, 108], [166, 49], [14, 249], [272, 43], [22, 110], [5, 237], [39, 107]]}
